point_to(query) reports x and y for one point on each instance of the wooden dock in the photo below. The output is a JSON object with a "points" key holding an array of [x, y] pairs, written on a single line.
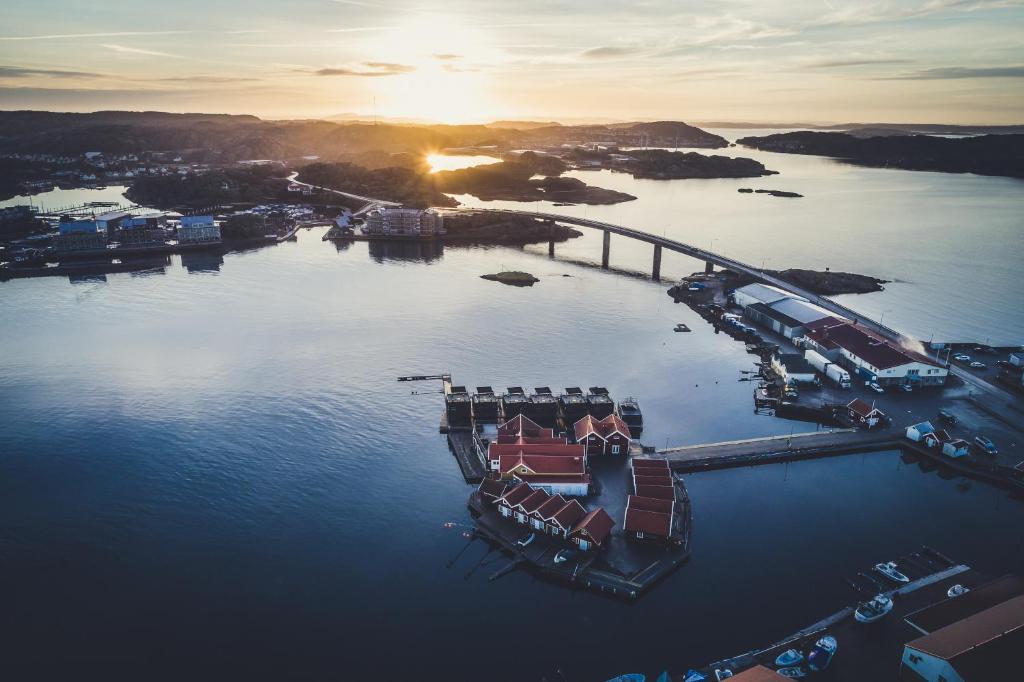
{"points": [[777, 449], [460, 442]]}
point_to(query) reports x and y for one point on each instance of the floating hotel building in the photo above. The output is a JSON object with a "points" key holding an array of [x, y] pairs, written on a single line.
{"points": [[403, 222]]}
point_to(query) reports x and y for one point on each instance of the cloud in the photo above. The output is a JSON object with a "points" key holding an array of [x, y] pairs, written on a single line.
{"points": [[207, 79], [960, 72], [359, 29], [610, 51], [24, 72], [123, 49], [864, 61], [62, 36], [366, 69], [447, 57]]}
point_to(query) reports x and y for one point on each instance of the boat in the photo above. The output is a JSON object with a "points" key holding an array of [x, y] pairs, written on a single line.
{"points": [[681, 328], [695, 676], [629, 677], [564, 555], [957, 590], [793, 673], [788, 658], [822, 653], [889, 571], [872, 610], [722, 674], [629, 411]]}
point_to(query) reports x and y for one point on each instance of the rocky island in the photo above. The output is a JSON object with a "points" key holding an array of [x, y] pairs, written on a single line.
{"points": [[513, 278], [830, 283], [984, 154], [770, 192], [505, 229], [662, 164]]}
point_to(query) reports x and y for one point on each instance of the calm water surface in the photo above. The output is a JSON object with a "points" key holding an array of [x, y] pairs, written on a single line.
{"points": [[211, 473]]}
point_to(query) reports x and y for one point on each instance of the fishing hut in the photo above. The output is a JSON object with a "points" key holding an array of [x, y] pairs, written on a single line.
{"points": [[458, 408], [515, 402], [543, 407], [599, 403], [573, 404], [485, 405]]}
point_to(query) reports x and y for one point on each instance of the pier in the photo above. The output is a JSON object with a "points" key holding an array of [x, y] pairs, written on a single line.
{"points": [[462, 445], [777, 449]]}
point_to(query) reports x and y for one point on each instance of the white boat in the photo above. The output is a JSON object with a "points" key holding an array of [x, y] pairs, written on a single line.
{"points": [[957, 590], [888, 569], [822, 653], [722, 674], [870, 611], [788, 658], [794, 673]]}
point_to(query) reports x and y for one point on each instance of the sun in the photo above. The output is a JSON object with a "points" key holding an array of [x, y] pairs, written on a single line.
{"points": [[446, 85]]}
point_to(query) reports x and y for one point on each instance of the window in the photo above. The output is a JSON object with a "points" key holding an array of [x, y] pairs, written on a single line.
{"points": [[615, 449]]}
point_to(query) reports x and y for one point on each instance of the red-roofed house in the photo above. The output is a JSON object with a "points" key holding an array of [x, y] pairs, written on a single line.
{"points": [[663, 478], [642, 463], [522, 426], [592, 530], [490, 490], [608, 436], [875, 357], [495, 451], [640, 524], [562, 521], [864, 414], [661, 492], [529, 504], [556, 474], [512, 497], [539, 515]]}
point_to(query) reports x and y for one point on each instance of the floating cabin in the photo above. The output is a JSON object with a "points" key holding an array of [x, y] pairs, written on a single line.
{"points": [[599, 403], [485, 405], [543, 407], [515, 402], [458, 408], [608, 436], [574, 405]]}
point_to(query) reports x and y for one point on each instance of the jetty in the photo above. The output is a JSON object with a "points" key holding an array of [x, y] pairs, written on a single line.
{"points": [[869, 651], [777, 449]]}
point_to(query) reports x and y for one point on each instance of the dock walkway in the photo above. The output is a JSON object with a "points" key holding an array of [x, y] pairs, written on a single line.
{"points": [[461, 444], [775, 449]]}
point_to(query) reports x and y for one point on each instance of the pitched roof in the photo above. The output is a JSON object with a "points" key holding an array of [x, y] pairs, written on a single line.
{"points": [[561, 449], [660, 478], [552, 479], [661, 492], [982, 645], [923, 427], [547, 439], [584, 427], [568, 515], [534, 500], [765, 293], [649, 522], [492, 488], [650, 504], [596, 524], [541, 464], [948, 611], [516, 494], [801, 311], [644, 463], [862, 408], [518, 424], [552, 505], [759, 673]]}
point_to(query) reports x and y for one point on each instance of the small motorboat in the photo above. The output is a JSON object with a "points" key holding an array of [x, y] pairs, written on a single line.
{"points": [[681, 328], [794, 673], [957, 590], [888, 569], [564, 555], [722, 674], [789, 658], [695, 676], [822, 653], [629, 677], [872, 610]]}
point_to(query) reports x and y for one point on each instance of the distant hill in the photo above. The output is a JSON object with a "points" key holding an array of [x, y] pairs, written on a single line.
{"points": [[523, 125], [984, 155]]}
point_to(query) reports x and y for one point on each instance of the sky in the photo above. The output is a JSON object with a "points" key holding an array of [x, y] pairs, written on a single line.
{"points": [[470, 61]]}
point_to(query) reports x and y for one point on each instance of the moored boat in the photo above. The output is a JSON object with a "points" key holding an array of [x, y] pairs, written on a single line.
{"points": [[872, 610], [629, 677], [794, 673], [957, 590], [788, 658], [822, 653], [888, 569], [629, 411]]}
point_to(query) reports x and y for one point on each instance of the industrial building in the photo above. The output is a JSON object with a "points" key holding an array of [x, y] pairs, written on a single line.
{"points": [[871, 357], [80, 235], [793, 368], [194, 229], [403, 222], [752, 294]]}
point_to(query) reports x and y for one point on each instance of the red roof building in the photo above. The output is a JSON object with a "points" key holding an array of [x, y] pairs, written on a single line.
{"points": [[556, 474], [592, 530], [562, 521], [512, 497], [642, 463], [648, 518], [495, 451], [654, 479], [608, 436], [864, 414], [491, 489], [660, 492], [522, 426]]}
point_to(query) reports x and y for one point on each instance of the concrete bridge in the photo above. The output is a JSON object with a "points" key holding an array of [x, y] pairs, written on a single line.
{"points": [[710, 258]]}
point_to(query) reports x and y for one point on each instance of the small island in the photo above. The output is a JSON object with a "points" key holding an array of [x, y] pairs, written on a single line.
{"points": [[662, 164], [770, 192], [505, 229], [514, 278], [830, 283]]}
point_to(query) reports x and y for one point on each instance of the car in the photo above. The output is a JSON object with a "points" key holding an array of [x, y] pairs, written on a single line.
{"points": [[873, 385], [1004, 363], [523, 542], [906, 388], [947, 417], [986, 445], [962, 357], [978, 365]]}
